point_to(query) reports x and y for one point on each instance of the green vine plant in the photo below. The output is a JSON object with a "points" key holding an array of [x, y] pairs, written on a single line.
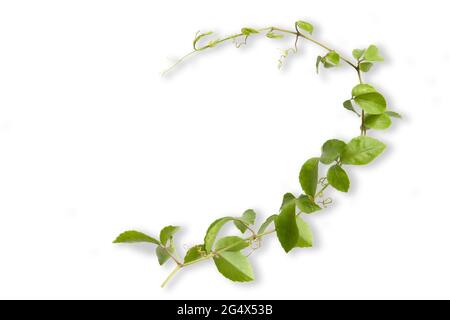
{"points": [[231, 253]]}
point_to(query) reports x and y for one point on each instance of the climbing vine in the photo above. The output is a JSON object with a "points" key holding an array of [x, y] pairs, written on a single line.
{"points": [[230, 253]]}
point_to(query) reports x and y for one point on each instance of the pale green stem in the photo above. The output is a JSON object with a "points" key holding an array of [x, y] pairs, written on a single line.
{"points": [[171, 275]]}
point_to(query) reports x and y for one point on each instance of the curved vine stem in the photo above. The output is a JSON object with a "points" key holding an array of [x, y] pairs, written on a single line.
{"points": [[334, 152], [297, 34]]}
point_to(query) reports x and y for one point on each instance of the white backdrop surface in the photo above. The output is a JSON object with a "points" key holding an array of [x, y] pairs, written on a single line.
{"points": [[93, 141]]}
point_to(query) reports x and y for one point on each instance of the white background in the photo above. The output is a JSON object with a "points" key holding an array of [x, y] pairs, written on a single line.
{"points": [[93, 141]]}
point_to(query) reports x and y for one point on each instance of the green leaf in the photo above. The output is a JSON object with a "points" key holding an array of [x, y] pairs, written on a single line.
{"points": [[267, 223], [332, 59], [308, 27], [195, 253], [378, 121], [358, 53], [167, 233], [287, 198], [234, 266], [273, 35], [231, 243], [286, 228], [309, 176], [365, 66], [248, 31], [372, 54], [338, 178], [135, 237], [305, 238], [306, 205], [248, 218], [362, 150], [349, 106], [393, 114], [162, 255], [361, 89], [331, 151], [212, 232], [372, 103]]}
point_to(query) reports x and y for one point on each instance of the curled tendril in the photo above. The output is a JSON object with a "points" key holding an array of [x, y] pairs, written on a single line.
{"points": [[198, 37], [323, 181], [326, 202], [239, 44], [284, 56]]}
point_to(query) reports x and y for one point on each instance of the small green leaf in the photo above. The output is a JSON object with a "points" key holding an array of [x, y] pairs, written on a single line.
{"points": [[287, 198], [372, 103], [305, 238], [372, 54], [349, 106], [332, 59], [273, 35], [212, 232], [286, 228], [135, 237], [378, 121], [162, 255], [248, 218], [365, 66], [338, 178], [308, 27], [361, 89], [331, 151], [393, 114], [309, 176], [195, 253], [231, 243], [358, 53], [167, 233], [362, 150], [306, 205], [267, 223], [234, 266], [248, 31]]}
